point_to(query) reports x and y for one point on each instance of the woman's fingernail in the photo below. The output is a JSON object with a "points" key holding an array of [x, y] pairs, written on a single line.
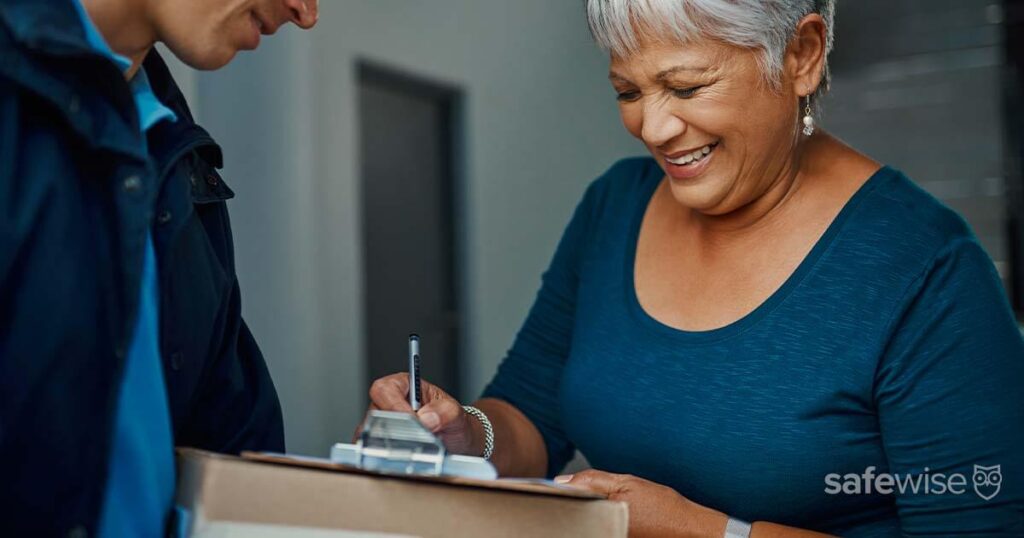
{"points": [[562, 479], [430, 420]]}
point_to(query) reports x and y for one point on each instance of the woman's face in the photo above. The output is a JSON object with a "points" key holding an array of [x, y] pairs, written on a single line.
{"points": [[706, 114]]}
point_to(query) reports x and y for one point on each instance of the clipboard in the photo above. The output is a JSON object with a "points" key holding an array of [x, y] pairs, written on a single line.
{"points": [[396, 445]]}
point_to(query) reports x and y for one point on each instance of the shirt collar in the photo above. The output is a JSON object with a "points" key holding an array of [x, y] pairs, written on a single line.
{"points": [[151, 110], [96, 41]]}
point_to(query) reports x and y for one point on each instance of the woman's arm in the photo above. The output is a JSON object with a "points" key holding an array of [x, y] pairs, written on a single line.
{"points": [[949, 393], [659, 511], [762, 529], [518, 446], [525, 391]]}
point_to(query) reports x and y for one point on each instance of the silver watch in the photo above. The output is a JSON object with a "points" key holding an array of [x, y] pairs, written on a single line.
{"points": [[736, 528], [488, 430]]}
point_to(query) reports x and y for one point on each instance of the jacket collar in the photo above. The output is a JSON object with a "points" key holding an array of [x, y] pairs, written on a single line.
{"points": [[95, 98], [167, 139], [43, 48], [45, 25]]}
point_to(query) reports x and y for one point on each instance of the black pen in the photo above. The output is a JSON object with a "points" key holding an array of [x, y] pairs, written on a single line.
{"points": [[415, 396]]}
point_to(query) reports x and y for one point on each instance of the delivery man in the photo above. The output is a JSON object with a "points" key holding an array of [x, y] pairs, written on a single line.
{"points": [[120, 325]]}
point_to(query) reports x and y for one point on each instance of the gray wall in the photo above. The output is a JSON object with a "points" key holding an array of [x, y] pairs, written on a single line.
{"points": [[540, 123], [917, 85]]}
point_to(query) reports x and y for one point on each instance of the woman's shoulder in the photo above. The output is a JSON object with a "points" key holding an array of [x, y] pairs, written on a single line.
{"points": [[890, 211], [898, 231], [904, 208]]}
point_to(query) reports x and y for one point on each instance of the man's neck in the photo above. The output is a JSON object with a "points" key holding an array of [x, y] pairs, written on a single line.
{"points": [[125, 27]]}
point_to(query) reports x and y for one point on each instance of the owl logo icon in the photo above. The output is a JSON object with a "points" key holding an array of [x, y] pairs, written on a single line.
{"points": [[987, 480]]}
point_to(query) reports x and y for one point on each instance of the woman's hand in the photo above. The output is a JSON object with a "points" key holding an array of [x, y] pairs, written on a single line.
{"points": [[440, 413], [654, 510]]}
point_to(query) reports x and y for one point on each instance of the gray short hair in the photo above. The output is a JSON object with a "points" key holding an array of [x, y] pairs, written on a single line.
{"points": [[764, 25]]}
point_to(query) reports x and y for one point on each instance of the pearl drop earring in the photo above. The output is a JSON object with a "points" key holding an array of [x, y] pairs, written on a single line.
{"points": [[808, 118]]}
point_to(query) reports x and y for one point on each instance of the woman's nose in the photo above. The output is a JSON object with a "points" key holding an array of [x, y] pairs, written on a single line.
{"points": [[660, 126], [304, 12]]}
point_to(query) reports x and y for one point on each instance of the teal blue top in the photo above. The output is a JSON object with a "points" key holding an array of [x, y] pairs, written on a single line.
{"points": [[140, 482], [890, 350]]}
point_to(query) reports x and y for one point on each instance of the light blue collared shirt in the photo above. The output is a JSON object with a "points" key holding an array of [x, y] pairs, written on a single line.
{"points": [[140, 482]]}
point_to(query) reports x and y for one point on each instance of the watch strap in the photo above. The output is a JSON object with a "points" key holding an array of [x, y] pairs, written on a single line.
{"points": [[736, 528]]}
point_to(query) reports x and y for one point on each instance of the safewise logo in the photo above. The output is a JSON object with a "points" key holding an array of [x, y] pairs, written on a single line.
{"points": [[985, 480]]}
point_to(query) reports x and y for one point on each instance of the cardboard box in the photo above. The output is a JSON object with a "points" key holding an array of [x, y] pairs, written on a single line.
{"points": [[264, 489]]}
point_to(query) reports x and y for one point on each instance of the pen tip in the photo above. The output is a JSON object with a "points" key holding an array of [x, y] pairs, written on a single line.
{"points": [[414, 336]]}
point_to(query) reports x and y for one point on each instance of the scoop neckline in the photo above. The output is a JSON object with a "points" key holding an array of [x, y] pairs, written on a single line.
{"points": [[652, 180]]}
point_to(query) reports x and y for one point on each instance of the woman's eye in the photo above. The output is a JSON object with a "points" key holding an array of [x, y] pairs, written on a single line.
{"points": [[627, 96], [685, 93]]}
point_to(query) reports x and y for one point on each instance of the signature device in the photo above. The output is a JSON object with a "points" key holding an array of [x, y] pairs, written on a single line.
{"points": [[396, 443]]}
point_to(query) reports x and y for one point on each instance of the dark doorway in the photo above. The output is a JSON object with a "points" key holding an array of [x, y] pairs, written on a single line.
{"points": [[407, 129]]}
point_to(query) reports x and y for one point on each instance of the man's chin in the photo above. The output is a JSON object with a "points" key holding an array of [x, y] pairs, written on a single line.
{"points": [[207, 60]]}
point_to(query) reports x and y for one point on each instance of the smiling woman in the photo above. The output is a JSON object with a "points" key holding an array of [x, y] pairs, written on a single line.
{"points": [[755, 307], [728, 82]]}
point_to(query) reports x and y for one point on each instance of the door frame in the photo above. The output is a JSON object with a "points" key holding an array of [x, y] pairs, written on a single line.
{"points": [[452, 99]]}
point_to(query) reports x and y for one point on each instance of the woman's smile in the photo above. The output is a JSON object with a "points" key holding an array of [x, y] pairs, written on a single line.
{"points": [[689, 164]]}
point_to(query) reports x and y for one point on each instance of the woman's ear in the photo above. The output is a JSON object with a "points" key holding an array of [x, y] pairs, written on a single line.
{"points": [[805, 55]]}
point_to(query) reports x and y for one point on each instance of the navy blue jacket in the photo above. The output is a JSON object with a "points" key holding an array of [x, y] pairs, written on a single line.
{"points": [[78, 192]]}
